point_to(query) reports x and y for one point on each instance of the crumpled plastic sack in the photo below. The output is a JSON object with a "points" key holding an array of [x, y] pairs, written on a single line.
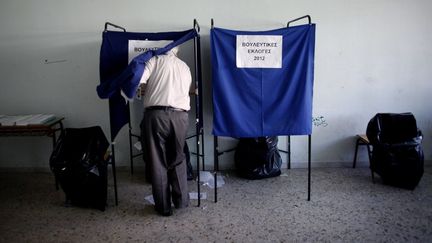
{"points": [[258, 158], [397, 154], [80, 166]]}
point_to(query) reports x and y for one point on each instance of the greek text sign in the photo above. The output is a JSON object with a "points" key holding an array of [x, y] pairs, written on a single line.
{"points": [[259, 51], [137, 47]]}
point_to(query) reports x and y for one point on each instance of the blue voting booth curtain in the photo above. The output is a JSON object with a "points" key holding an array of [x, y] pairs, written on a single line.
{"points": [[263, 101], [116, 74]]}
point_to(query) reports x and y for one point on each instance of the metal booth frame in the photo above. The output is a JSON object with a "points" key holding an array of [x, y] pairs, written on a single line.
{"points": [[199, 130], [217, 152]]}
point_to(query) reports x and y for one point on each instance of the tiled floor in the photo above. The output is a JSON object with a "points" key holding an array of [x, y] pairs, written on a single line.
{"points": [[345, 207]]}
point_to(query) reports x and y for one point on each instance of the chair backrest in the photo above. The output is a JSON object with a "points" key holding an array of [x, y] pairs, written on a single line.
{"points": [[392, 128]]}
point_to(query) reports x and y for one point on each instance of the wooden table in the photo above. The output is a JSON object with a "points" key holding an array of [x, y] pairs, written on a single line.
{"points": [[47, 129]]}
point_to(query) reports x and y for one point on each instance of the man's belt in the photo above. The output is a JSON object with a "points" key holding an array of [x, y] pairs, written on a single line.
{"points": [[163, 108]]}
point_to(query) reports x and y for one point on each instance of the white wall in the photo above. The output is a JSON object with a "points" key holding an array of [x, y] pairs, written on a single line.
{"points": [[371, 56]]}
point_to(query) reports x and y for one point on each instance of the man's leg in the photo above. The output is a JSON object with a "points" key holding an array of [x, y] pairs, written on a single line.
{"points": [[156, 130], [146, 156], [177, 172], [178, 180]]}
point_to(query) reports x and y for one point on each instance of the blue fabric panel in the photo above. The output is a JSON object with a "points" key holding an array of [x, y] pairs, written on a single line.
{"points": [[256, 102], [116, 74]]}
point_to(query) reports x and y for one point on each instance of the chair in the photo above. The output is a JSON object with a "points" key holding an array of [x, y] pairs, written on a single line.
{"points": [[362, 140]]}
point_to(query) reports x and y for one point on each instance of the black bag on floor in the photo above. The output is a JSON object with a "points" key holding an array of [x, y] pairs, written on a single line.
{"points": [[397, 154], [80, 168], [258, 158]]}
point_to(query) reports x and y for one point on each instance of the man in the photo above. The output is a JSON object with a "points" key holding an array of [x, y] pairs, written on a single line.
{"points": [[167, 82]]}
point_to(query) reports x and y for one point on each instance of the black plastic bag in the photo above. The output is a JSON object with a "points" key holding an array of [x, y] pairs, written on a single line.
{"points": [[258, 158], [392, 128], [397, 154], [80, 168]]}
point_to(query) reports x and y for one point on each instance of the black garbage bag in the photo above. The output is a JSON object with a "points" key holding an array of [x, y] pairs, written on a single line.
{"points": [[258, 158], [397, 154], [79, 166]]}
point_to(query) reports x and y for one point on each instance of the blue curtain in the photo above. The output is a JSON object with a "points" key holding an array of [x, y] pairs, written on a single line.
{"points": [[256, 102], [116, 74]]}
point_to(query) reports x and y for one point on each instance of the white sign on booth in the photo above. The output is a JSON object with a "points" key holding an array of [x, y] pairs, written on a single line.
{"points": [[137, 47], [259, 51]]}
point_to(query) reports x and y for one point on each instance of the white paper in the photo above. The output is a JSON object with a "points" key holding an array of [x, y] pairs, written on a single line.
{"points": [[208, 179], [8, 120], [138, 146], [150, 199], [137, 47], [40, 119], [206, 176], [194, 195], [259, 51], [30, 120], [24, 120]]}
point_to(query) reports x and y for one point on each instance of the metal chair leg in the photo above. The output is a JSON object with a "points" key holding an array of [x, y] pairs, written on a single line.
{"points": [[370, 162], [355, 153]]}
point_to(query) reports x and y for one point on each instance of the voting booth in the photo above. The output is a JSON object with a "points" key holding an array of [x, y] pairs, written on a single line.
{"points": [[262, 83], [122, 60]]}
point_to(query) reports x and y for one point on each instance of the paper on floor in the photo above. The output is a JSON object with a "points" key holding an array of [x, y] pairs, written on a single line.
{"points": [[150, 199], [207, 179], [138, 146], [192, 195]]}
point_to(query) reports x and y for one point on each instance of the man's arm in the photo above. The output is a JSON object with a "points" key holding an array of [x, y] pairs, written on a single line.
{"points": [[143, 81], [147, 71], [141, 90]]}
